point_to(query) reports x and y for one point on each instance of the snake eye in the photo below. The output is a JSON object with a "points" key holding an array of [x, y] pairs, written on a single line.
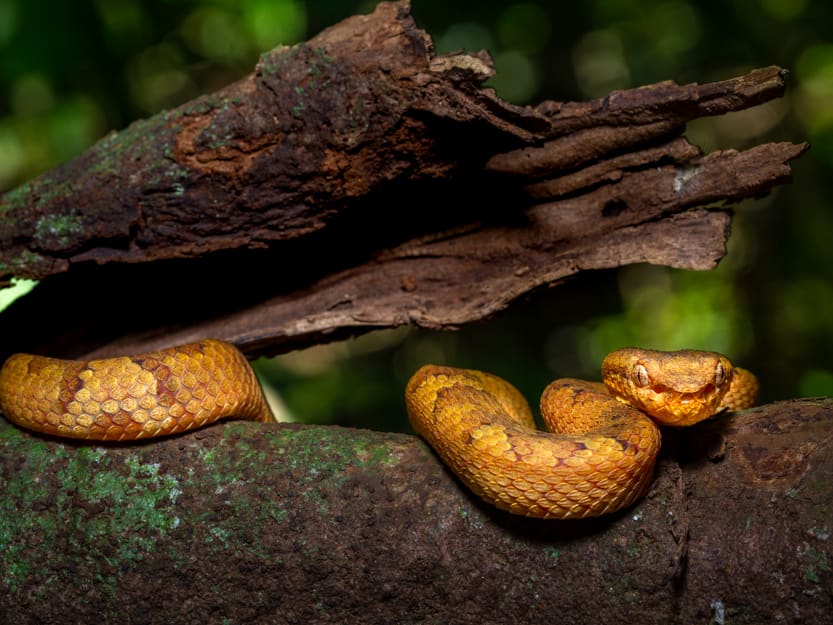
{"points": [[640, 375], [719, 374]]}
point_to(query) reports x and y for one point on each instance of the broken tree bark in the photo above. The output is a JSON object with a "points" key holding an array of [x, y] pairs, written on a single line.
{"points": [[359, 181], [297, 524]]}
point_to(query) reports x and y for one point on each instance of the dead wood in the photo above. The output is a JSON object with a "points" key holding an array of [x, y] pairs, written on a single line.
{"points": [[359, 181], [293, 524]]}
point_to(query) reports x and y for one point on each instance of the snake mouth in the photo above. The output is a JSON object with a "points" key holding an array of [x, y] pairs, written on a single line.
{"points": [[702, 395], [672, 406]]}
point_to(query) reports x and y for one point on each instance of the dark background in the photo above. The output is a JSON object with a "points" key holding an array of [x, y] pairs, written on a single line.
{"points": [[71, 71]]}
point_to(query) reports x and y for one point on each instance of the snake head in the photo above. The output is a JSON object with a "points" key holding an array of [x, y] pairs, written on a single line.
{"points": [[675, 388]]}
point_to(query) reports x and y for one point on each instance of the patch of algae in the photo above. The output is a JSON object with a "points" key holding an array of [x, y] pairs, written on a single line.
{"points": [[99, 498], [318, 458], [104, 510]]}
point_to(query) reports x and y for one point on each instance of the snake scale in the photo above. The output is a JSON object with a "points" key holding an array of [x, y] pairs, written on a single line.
{"points": [[597, 458]]}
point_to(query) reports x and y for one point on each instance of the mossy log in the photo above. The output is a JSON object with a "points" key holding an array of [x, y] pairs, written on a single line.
{"points": [[360, 181], [251, 523]]}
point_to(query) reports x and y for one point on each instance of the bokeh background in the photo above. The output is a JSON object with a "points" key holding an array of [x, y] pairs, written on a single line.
{"points": [[72, 70]]}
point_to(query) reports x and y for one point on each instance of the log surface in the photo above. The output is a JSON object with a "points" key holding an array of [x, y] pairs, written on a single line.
{"points": [[286, 524]]}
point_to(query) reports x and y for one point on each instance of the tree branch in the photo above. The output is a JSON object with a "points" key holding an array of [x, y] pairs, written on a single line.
{"points": [[257, 523], [359, 181]]}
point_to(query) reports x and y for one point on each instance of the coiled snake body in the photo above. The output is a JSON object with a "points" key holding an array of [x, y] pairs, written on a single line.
{"points": [[599, 456]]}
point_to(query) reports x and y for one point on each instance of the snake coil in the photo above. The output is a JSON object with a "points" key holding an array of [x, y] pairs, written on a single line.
{"points": [[602, 446]]}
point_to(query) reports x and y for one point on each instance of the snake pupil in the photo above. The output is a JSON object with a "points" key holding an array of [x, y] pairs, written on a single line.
{"points": [[640, 374]]}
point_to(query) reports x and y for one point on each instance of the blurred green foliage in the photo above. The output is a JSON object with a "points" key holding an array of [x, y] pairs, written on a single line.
{"points": [[72, 70]]}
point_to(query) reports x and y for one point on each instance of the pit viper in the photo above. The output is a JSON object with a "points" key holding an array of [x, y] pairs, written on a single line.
{"points": [[597, 458], [600, 452]]}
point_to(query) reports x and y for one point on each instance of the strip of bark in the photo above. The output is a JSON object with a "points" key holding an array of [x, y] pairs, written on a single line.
{"points": [[263, 524]]}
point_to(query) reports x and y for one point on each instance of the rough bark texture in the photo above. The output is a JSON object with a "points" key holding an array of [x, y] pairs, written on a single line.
{"points": [[248, 523], [359, 181]]}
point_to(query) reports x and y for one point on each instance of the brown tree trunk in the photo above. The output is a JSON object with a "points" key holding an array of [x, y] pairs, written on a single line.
{"points": [[248, 523]]}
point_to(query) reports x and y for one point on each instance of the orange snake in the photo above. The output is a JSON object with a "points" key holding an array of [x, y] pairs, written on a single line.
{"points": [[598, 458], [601, 452]]}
